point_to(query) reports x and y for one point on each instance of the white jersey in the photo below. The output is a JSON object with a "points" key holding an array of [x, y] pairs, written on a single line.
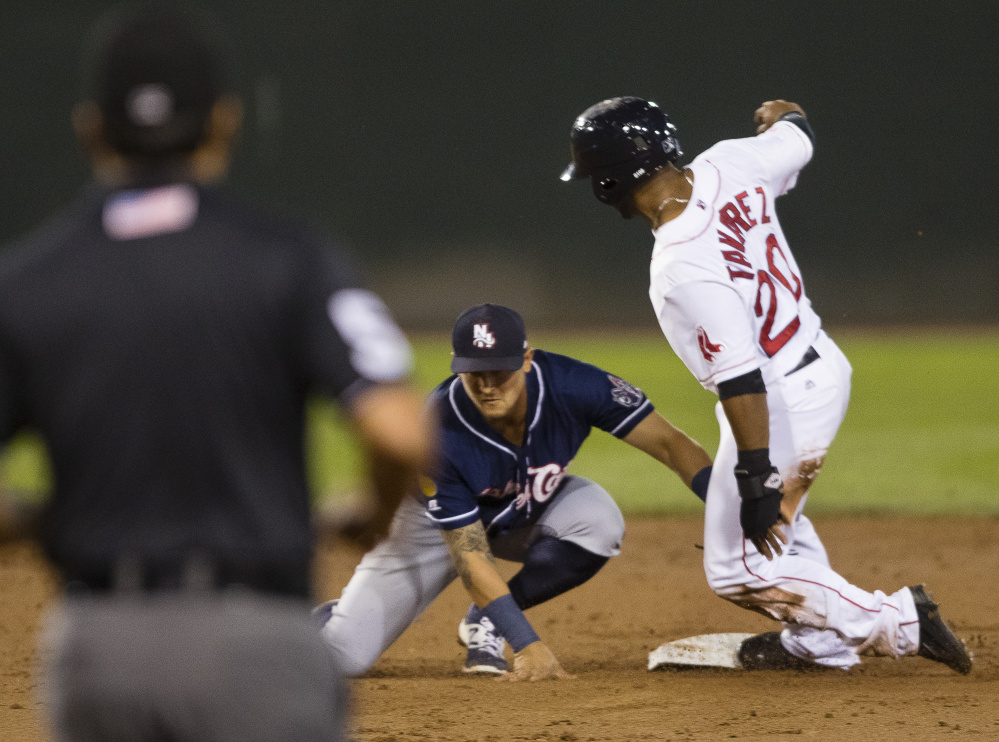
{"points": [[730, 299], [725, 287]]}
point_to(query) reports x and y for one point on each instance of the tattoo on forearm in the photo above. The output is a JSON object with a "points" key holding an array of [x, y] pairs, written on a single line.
{"points": [[464, 541], [471, 538]]}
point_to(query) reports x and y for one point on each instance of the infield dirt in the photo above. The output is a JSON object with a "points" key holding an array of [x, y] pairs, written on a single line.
{"points": [[653, 593]]}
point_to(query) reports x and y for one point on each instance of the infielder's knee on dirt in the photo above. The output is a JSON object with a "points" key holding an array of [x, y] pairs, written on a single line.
{"points": [[394, 583], [354, 650]]}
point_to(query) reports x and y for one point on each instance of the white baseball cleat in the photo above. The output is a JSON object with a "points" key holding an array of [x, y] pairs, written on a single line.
{"points": [[485, 648]]}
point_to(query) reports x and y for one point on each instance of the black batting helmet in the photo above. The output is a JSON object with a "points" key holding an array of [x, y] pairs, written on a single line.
{"points": [[619, 144]]}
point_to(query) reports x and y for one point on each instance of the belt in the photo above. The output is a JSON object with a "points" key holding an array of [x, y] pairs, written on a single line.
{"points": [[189, 575], [810, 355]]}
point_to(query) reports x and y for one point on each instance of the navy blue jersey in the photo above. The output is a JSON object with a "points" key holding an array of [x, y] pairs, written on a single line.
{"points": [[484, 476]]}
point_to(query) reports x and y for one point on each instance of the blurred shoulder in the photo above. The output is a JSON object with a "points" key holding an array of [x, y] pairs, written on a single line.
{"points": [[244, 214], [250, 225], [59, 231]]}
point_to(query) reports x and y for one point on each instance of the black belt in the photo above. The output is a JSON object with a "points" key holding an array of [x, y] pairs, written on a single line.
{"points": [[176, 575], [810, 355]]}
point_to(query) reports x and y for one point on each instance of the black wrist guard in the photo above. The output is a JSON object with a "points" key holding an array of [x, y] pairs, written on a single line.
{"points": [[759, 486], [761, 490], [754, 461]]}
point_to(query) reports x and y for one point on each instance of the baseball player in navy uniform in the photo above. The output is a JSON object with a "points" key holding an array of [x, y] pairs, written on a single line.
{"points": [[731, 300], [513, 418]]}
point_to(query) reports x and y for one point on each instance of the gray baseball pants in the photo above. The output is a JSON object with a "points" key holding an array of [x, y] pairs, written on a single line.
{"points": [[398, 579], [231, 666]]}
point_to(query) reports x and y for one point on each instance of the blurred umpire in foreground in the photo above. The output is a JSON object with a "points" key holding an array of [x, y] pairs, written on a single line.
{"points": [[163, 338]]}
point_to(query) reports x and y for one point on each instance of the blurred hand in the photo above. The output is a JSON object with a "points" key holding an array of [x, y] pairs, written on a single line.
{"points": [[19, 517], [770, 112], [361, 526], [535, 662]]}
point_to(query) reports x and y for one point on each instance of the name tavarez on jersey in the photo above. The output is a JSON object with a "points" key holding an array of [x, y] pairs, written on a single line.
{"points": [[725, 287], [485, 477]]}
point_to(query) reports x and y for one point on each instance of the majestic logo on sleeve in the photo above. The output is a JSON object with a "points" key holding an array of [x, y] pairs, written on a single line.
{"points": [[708, 349], [624, 393], [481, 337]]}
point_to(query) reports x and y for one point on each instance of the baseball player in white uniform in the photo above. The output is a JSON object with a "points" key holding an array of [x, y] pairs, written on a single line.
{"points": [[731, 301]]}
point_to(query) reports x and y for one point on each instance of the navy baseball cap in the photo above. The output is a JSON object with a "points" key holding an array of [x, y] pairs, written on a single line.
{"points": [[488, 337]]}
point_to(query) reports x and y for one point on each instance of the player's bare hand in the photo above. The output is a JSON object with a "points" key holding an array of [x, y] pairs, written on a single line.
{"points": [[535, 662], [770, 112]]}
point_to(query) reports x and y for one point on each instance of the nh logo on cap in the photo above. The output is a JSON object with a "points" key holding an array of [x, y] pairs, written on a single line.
{"points": [[481, 337]]}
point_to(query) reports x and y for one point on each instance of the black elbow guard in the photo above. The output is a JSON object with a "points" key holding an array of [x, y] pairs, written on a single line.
{"points": [[751, 383], [801, 122]]}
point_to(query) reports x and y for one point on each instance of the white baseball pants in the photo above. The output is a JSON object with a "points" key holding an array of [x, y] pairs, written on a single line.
{"points": [[826, 619]]}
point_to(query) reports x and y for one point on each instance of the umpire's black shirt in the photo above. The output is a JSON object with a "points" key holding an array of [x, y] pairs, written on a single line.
{"points": [[163, 342]]}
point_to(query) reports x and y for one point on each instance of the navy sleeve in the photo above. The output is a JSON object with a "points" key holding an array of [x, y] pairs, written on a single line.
{"points": [[450, 502], [604, 400], [350, 340]]}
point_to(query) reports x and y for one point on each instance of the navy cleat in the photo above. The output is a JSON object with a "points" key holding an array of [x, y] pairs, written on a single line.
{"points": [[766, 652], [323, 612], [936, 641], [485, 647]]}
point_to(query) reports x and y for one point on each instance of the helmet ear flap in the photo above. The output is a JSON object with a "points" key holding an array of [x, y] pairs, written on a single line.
{"points": [[607, 187], [614, 189], [606, 184]]}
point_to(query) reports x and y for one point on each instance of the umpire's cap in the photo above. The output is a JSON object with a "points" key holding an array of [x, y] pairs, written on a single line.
{"points": [[154, 70], [488, 337], [620, 143]]}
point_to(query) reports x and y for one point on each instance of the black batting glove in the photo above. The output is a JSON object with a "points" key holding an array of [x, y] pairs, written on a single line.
{"points": [[761, 490]]}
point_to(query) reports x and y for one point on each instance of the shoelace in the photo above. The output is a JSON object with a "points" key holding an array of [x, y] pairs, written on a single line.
{"points": [[482, 637]]}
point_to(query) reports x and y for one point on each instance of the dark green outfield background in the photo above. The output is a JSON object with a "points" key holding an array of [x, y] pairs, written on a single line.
{"points": [[430, 137], [917, 437]]}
